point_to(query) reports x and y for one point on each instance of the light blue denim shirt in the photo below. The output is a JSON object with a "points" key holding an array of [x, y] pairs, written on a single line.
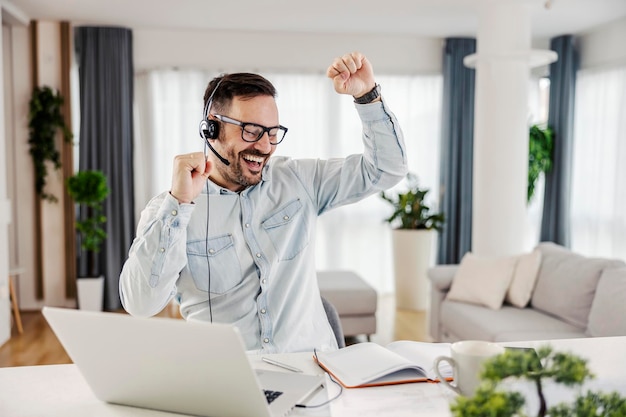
{"points": [[254, 264]]}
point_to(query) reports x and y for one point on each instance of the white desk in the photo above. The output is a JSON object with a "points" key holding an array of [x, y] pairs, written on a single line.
{"points": [[60, 390]]}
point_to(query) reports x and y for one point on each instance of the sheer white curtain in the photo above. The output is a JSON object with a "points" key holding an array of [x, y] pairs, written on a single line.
{"points": [[599, 171], [322, 124], [168, 109]]}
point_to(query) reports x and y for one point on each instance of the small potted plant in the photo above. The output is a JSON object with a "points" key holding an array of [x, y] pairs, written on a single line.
{"points": [[413, 240], [88, 189], [411, 209]]}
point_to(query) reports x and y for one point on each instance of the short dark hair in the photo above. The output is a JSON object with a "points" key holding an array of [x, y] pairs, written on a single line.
{"points": [[241, 84]]}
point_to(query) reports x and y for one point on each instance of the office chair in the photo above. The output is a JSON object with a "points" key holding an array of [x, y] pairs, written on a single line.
{"points": [[333, 319]]}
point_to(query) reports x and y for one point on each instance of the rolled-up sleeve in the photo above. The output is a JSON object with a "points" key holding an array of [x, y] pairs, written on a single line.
{"points": [[156, 257], [383, 163], [383, 139]]}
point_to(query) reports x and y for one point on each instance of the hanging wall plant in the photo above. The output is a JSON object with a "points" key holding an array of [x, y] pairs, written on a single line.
{"points": [[44, 121], [540, 145]]}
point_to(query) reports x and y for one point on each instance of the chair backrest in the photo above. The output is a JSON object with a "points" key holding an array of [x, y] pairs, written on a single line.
{"points": [[335, 323]]}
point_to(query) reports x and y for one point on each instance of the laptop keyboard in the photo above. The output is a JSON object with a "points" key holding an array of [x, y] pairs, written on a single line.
{"points": [[271, 395]]}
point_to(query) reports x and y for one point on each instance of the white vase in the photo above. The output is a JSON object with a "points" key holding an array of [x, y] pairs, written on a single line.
{"points": [[412, 255], [90, 293]]}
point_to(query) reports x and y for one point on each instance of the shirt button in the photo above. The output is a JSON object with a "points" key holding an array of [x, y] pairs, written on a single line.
{"points": [[211, 250], [258, 255], [247, 225], [162, 250], [285, 217], [174, 212], [266, 340], [263, 311], [263, 281]]}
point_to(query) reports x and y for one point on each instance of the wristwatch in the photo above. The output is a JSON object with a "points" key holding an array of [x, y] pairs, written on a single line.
{"points": [[372, 95]]}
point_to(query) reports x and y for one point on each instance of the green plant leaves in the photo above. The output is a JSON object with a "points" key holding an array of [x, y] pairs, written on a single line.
{"points": [[536, 366], [540, 147], [89, 188], [44, 121], [411, 210]]}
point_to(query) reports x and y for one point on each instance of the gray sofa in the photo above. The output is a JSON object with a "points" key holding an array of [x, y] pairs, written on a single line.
{"points": [[574, 296]]}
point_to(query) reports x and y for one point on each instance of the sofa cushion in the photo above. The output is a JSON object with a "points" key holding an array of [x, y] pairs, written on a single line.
{"points": [[608, 309], [567, 283], [524, 279], [481, 280], [466, 321]]}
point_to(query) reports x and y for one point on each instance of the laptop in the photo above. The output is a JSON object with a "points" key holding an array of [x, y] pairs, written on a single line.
{"points": [[173, 365]]}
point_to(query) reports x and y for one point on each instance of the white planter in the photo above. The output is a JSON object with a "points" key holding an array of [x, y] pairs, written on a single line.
{"points": [[412, 256], [90, 293]]}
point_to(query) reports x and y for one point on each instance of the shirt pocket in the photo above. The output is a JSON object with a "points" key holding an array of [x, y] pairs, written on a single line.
{"points": [[288, 230], [217, 255]]}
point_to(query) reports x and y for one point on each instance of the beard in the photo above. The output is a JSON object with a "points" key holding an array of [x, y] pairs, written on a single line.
{"points": [[235, 172]]}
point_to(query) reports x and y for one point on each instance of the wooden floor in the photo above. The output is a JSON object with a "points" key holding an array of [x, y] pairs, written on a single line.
{"points": [[39, 346]]}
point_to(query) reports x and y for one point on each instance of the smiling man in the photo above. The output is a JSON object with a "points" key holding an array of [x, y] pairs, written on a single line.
{"points": [[233, 239]]}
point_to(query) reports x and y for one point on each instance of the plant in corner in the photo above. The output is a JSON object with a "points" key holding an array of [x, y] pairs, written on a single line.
{"points": [[540, 145], [44, 121], [412, 237], [411, 210], [89, 189]]}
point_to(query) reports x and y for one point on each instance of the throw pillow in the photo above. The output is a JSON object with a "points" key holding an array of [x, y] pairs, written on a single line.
{"points": [[482, 281], [567, 283], [608, 309], [524, 279]]}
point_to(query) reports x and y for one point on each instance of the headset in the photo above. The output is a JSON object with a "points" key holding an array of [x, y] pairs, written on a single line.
{"points": [[210, 129]]}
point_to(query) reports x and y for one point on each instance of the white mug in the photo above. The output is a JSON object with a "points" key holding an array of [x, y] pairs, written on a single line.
{"points": [[467, 360]]}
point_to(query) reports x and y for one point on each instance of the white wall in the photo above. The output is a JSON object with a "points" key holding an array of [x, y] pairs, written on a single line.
{"points": [[604, 47], [19, 164], [5, 213], [256, 51]]}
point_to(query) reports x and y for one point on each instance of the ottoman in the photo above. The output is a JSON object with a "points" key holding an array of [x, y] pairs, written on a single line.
{"points": [[353, 298]]}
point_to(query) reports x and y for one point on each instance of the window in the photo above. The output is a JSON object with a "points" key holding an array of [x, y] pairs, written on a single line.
{"points": [[598, 206]]}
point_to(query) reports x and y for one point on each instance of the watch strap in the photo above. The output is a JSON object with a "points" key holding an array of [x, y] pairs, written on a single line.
{"points": [[370, 96]]}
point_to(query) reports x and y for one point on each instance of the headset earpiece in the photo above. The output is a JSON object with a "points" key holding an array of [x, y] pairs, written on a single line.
{"points": [[209, 129]]}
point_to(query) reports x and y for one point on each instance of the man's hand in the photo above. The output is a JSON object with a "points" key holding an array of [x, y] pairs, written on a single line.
{"points": [[190, 174], [352, 74]]}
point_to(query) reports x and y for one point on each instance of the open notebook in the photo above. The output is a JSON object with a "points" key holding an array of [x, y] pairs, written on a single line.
{"points": [[173, 365], [370, 364]]}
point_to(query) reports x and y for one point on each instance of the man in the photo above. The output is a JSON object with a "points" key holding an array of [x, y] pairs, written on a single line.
{"points": [[233, 239]]}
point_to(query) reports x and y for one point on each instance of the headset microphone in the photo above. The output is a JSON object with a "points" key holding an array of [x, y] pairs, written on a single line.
{"points": [[220, 157], [210, 129]]}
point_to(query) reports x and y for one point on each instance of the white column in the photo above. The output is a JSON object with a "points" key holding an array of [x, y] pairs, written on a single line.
{"points": [[500, 174]]}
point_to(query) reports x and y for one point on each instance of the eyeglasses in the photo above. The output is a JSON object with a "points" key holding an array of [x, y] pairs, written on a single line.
{"points": [[252, 132]]}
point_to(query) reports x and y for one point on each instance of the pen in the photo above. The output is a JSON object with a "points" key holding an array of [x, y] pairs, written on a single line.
{"points": [[280, 364]]}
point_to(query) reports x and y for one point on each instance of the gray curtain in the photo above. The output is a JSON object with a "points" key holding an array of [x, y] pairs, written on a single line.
{"points": [[555, 223], [457, 150], [105, 65]]}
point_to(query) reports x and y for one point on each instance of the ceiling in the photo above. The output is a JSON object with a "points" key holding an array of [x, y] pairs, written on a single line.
{"points": [[430, 18]]}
